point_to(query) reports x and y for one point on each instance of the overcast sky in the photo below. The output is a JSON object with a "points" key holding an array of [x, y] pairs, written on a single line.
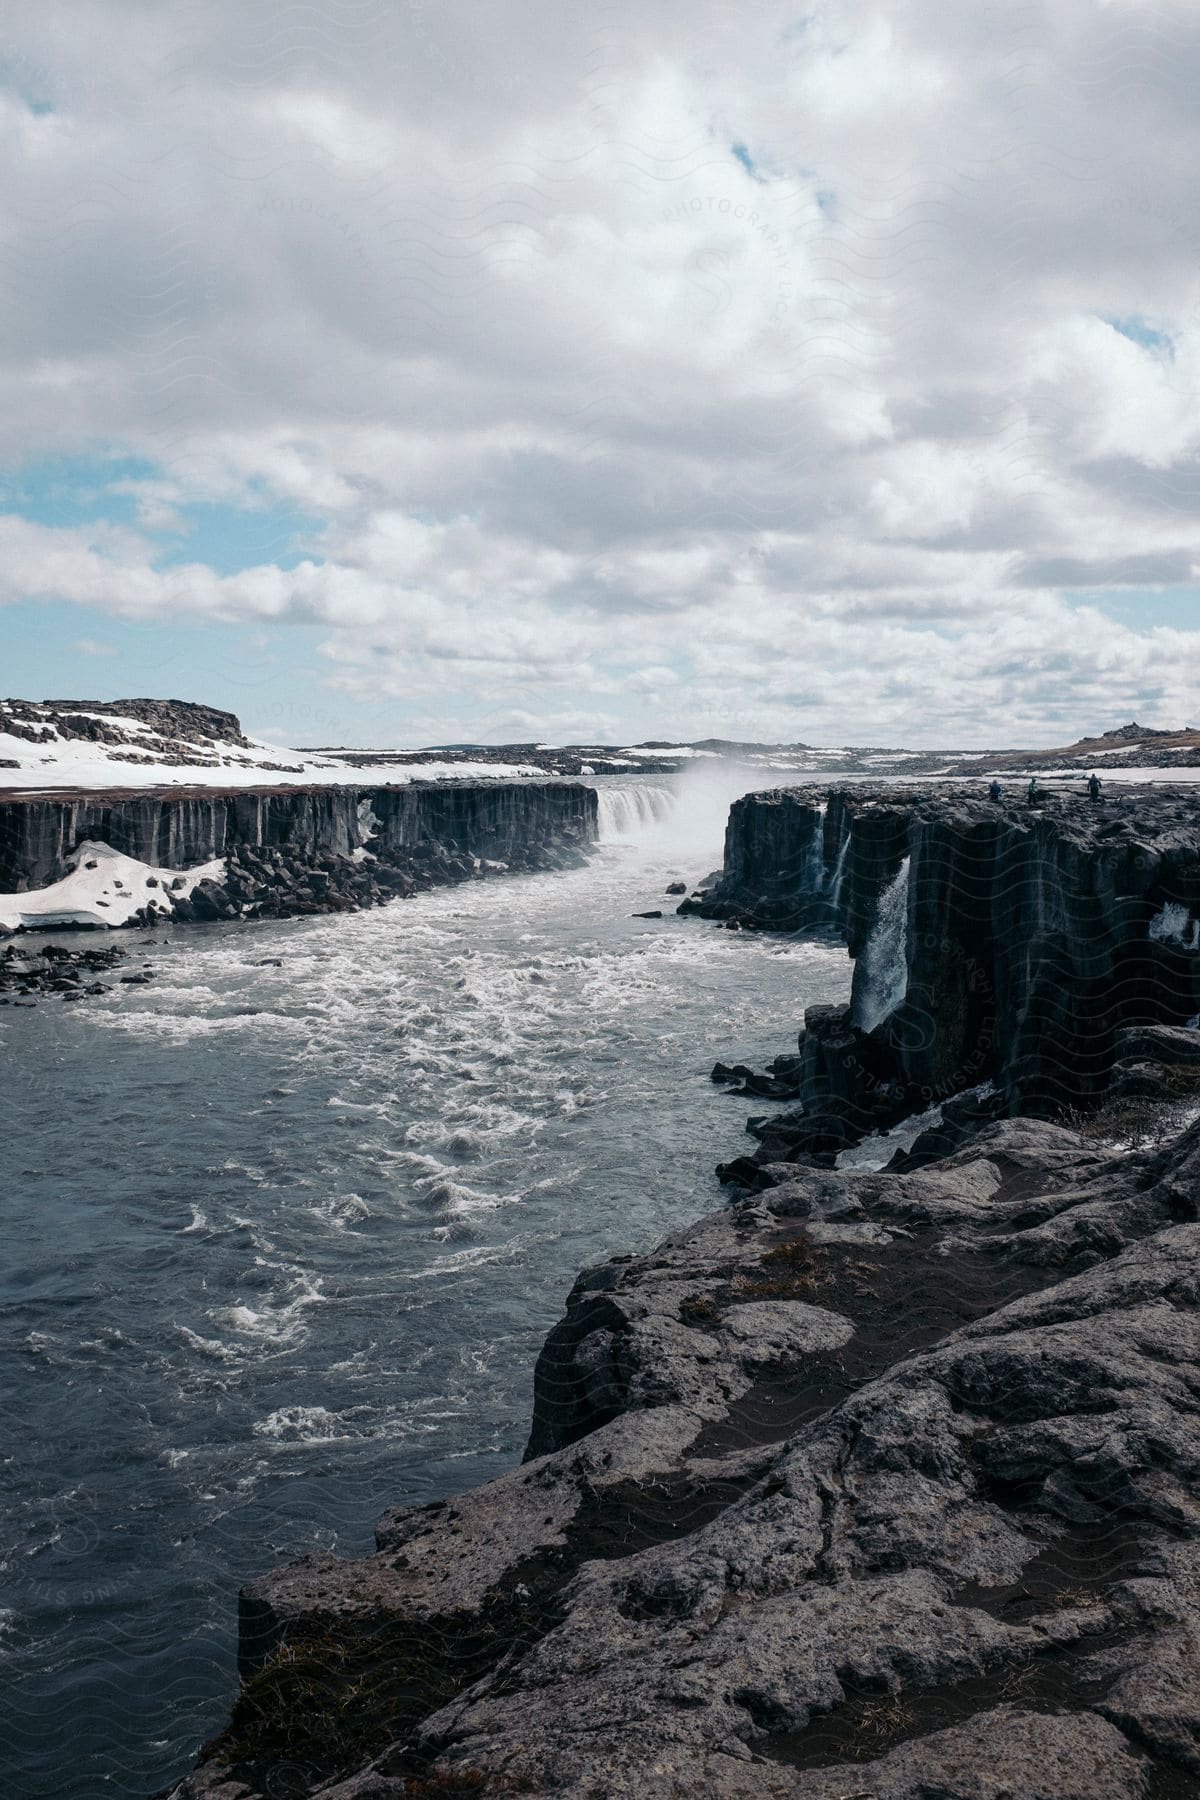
{"points": [[429, 371]]}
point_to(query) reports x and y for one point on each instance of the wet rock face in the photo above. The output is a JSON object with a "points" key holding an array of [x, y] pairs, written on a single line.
{"points": [[995, 941], [526, 825], [880, 1484]]}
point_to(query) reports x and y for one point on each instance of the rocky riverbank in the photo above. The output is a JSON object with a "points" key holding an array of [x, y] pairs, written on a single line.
{"points": [[883, 1484], [204, 855], [878, 1483]]}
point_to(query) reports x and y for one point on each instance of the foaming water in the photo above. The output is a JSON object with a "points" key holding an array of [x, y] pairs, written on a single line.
{"points": [[627, 811], [285, 1242]]}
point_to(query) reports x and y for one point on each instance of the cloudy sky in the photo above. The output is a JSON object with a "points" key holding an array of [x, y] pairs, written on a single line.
{"points": [[414, 370]]}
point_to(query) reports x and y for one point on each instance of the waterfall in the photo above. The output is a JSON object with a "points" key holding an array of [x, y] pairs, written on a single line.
{"points": [[839, 870], [881, 979], [815, 872], [627, 812]]}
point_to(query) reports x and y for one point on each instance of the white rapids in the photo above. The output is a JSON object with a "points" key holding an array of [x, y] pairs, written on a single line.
{"points": [[286, 1243]]}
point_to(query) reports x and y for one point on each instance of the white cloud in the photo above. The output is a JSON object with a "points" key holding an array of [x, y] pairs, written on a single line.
{"points": [[603, 426]]}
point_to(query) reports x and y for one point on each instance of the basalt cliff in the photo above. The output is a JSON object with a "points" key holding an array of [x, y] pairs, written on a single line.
{"points": [[875, 1482], [993, 942], [294, 850]]}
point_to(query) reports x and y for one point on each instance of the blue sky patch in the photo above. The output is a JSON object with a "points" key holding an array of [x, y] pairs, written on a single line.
{"points": [[272, 678], [742, 155], [1139, 331], [63, 491], [230, 538], [1143, 608], [21, 76], [74, 490]]}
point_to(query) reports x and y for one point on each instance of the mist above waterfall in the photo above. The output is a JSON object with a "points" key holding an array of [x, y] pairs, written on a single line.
{"points": [[629, 810], [685, 812]]}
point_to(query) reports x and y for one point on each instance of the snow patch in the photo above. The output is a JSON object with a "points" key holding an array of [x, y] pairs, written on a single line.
{"points": [[109, 893], [79, 764], [1175, 925]]}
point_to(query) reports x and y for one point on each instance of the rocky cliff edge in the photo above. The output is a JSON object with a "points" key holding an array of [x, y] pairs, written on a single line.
{"points": [[872, 1484]]}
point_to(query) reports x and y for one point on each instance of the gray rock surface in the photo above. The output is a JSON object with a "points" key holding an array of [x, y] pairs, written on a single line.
{"points": [[877, 1484]]}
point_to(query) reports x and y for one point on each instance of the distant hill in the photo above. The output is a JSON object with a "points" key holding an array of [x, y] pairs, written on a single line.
{"points": [[118, 744], [1131, 746]]}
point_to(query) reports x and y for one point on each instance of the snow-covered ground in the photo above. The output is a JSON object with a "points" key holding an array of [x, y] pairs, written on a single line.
{"points": [[1077, 778], [64, 762], [103, 888], [183, 744], [638, 753]]}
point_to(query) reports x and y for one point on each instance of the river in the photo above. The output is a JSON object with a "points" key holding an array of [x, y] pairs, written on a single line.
{"points": [[284, 1232]]}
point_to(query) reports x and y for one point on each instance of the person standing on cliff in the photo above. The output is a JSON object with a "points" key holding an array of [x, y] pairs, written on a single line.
{"points": [[1033, 794], [1094, 787]]}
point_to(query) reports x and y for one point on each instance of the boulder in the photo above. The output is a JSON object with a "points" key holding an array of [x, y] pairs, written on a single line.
{"points": [[210, 900], [1166, 1044]]}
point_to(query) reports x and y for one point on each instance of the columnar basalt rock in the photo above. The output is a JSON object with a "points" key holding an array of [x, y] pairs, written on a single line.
{"points": [[1030, 935], [304, 843]]}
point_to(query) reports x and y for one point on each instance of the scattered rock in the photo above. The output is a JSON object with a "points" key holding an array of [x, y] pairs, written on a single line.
{"points": [[25, 975]]}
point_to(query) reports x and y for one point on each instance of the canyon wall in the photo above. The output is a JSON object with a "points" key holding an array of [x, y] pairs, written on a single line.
{"points": [[993, 941], [880, 1483], [508, 822]]}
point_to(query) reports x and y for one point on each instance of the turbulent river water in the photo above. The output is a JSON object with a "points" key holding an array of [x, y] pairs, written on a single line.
{"points": [[284, 1232]]}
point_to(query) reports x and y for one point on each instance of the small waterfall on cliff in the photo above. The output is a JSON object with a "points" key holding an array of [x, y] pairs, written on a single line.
{"points": [[628, 811], [839, 870], [881, 979], [815, 872]]}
